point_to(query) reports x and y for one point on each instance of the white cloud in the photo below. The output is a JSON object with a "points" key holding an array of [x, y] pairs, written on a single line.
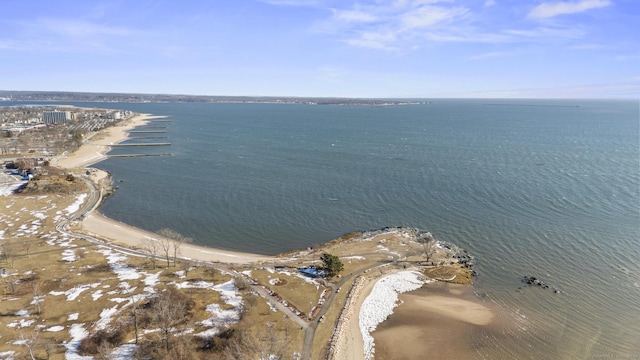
{"points": [[429, 16], [401, 25], [548, 10], [70, 36], [354, 16], [392, 25], [574, 32], [382, 39]]}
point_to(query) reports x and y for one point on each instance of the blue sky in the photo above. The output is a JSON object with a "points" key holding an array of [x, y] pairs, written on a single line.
{"points": [[345, 48]]}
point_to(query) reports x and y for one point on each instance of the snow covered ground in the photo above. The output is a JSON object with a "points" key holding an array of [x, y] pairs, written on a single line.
{"points": [[9, 183], [16, 219]]}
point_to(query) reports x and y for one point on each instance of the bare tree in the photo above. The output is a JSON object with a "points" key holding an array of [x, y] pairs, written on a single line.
{"points": [[177, 240], [186, 266], [30, 340], [262, 344], [134, 311], [165, 247], [169, 310], [152, 247], [428, 242], [38, 298], [9, 251], [26, 245], [104, 350]]}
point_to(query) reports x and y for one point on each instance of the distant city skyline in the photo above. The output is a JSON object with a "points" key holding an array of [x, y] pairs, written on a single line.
{"points": [[325, 48]]}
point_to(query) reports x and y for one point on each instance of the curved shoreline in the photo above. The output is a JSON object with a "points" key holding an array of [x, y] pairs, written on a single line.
{"points": [[95, 150], [349, 338]]}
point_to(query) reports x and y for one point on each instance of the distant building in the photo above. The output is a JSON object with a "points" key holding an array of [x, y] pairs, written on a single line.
{"points": [[56, 117]]}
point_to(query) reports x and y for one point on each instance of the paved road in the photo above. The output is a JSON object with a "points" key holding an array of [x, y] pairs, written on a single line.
{"points": [[94, 198], [309, 334]]}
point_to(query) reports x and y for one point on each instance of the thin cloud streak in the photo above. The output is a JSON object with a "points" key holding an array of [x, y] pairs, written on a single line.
{"points": [[391, 26], [403, 25], [549, 10], [69, 36]]}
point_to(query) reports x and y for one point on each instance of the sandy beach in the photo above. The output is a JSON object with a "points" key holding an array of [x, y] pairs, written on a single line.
{"points": [[117, 232], [444, 315], [438, 321], [94, 150]]}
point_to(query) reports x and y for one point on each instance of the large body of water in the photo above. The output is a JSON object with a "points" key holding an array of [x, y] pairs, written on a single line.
{"points": [[549, 188]]}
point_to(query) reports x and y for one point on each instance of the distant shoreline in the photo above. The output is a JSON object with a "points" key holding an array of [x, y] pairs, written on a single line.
{"points": [[55, 96]]}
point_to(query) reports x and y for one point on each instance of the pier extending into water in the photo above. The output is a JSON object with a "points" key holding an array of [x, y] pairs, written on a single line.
{"points": [[137, 155], [141, 144], [147, 131], [146, 137]]}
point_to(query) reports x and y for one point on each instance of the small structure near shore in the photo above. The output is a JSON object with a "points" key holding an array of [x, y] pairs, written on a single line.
{"points": [[312, 271]]}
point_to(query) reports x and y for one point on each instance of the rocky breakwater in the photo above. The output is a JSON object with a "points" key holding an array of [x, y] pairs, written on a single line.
{"points": [[337, 344], [457, 255]]}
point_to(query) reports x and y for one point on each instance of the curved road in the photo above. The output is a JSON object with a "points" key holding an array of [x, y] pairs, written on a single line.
{"points": [[94, 198]]}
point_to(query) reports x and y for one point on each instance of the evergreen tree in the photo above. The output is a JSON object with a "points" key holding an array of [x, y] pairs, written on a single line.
{"points": [[332, 264]]}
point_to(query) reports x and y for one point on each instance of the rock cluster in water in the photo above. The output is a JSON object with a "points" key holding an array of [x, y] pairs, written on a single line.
{"points": [[533, 281]]}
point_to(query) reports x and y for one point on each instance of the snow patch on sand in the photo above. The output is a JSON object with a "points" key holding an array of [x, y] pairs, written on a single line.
{"points": [[380, 303]]}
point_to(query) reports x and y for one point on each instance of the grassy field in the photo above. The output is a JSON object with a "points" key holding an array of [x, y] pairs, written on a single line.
{"points": [[62, 295], [52, 282]]}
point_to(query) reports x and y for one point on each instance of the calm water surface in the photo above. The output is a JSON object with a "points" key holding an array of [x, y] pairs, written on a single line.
{"points": [[542, 187]]}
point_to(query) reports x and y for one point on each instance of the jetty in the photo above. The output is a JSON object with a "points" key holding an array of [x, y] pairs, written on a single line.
{"points": [[145, 137], [147, 131], [141, 144], [137, 155]]}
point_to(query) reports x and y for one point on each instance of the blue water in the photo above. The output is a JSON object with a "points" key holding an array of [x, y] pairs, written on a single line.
{"points": [[543, 187]]}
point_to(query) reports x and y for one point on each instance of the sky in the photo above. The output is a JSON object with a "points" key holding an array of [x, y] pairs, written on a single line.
{"points": [[328, 48]]}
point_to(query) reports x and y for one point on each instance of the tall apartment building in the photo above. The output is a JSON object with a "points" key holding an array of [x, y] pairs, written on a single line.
{"points": [[56, 117]]}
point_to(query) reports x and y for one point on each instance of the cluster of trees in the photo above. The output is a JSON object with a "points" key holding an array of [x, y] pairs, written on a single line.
{"points": [[167, 246], [170, 314], [11, 248], [31, 286], [52, 139]]}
